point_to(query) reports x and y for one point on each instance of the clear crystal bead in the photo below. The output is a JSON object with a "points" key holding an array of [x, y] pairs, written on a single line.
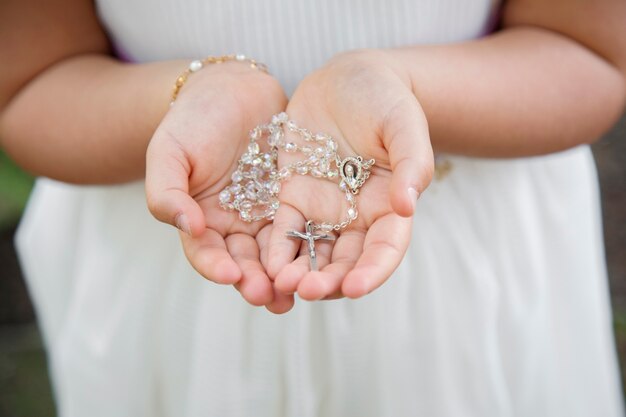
{"points": [[236, 177], [275, 138], [235, 188], [254, 148], [350, 197], [224, 196], [275, 204], [302, 170], [262, 196], [319, 152], [326, 227], [291, 147], [257, 172], [239, 197], [274, 187], [331, 145], [343, 186], [307, 150], [352, 213], [246, 158], [240, 57], [267, 165], [257, 161], [245, 215], [316, 173], [284, 174], [245, 205], [250, 195]]}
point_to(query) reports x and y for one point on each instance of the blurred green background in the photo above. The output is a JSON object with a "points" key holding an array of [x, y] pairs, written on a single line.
{"points": [[24, 386]]}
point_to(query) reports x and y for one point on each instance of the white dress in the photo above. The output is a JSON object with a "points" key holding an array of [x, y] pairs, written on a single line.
{"points": [[499, 309]]}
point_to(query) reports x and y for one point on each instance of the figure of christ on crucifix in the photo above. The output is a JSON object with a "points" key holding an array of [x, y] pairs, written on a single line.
{"points": [[310, 237]]}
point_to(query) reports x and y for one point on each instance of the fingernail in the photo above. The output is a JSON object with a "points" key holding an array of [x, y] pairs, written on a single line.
{"points": [[182, 222], [413, 195]]}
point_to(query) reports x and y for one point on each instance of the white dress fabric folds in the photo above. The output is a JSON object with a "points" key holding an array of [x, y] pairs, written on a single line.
{"points": [[499, 309]]}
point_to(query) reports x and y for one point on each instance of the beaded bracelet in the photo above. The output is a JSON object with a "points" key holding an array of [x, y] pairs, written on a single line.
{"points": [[197, 65]]}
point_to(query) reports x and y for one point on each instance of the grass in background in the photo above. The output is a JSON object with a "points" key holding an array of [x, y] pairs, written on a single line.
{"points": [[619, 327], [15, 186], [24, 386]]}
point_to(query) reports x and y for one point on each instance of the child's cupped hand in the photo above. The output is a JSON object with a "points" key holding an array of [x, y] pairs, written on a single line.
{"points": [[190, 159], [363, 100]]}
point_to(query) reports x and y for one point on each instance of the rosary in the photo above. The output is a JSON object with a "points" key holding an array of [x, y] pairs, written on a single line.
{"points": [[257, 180]]}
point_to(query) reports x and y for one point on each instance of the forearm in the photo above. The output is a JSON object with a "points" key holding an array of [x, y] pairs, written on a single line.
{"points": [[88, 119], [519, 92]]}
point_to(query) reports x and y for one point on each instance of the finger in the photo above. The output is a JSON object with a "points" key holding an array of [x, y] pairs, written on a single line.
{"points": [[282, 249], [289, 277], [327, 282], [263, 240], [208, 255], [167, 187], [384, 247], [255, 286], [281, 303], [405, 135]]}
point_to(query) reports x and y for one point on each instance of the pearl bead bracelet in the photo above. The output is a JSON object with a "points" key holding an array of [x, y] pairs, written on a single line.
{"points": [[197, 65]]}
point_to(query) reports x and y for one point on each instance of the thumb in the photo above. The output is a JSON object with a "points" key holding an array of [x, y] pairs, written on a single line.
{"points": [[167, 188], [405, 135]]}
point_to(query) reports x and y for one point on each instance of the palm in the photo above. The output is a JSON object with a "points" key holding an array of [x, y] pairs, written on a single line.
{"points": [[190, 159], [370, 113]]}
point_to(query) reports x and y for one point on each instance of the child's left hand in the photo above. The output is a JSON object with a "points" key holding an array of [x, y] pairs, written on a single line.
{"points": [[363, 100]]}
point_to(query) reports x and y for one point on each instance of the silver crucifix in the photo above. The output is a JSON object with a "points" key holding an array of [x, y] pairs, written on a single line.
{"points": [[310, 236]]}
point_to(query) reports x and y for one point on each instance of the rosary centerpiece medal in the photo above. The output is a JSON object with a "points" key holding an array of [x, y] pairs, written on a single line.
{"points": [[354, 171]]}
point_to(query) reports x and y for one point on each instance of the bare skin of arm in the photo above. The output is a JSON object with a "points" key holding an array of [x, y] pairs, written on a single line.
{"points": [[67, 109], [554, 80]]}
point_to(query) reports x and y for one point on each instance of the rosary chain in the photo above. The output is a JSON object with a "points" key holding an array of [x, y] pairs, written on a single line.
{"points": [[257, 181]]}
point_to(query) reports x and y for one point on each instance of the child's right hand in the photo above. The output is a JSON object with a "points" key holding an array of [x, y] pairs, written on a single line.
{"points": [[190, 160]]}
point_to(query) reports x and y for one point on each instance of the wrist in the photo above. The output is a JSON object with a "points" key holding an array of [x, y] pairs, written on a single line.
{"points": [[213, 62], [235, 82]]}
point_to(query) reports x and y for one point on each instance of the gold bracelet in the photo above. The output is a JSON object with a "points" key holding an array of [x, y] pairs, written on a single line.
{"points": [[197, 65]]}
